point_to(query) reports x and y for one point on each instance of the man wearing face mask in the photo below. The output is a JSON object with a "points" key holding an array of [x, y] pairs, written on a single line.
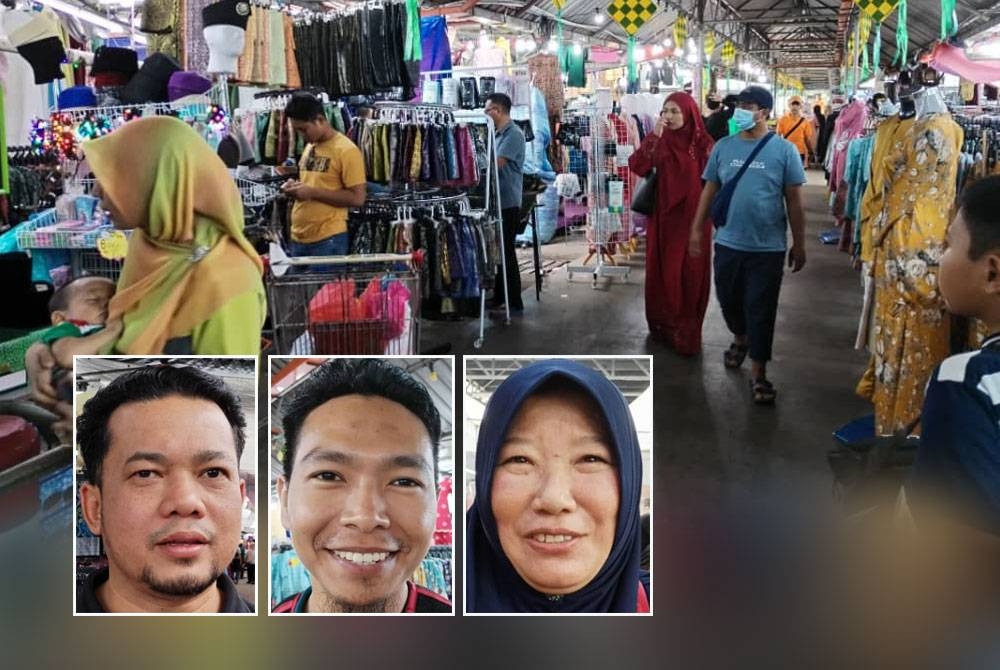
{"points": [[750, 245]]}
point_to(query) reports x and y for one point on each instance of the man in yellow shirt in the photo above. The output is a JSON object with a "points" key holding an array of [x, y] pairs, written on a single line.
{"points": [[331, 180], [797, 129]]}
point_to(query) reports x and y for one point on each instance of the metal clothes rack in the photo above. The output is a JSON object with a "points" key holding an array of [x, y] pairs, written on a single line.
{"points": [[598, 206], [492, 183]]}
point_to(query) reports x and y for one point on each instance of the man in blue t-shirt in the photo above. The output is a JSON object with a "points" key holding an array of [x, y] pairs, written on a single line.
{"points": [[510, 147], [750, 245]]}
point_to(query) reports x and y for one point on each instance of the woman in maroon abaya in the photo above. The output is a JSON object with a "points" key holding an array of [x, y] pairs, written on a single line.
{"points": [[677, 285]]}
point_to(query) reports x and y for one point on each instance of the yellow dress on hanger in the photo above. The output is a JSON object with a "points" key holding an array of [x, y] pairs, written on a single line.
{"points": [[910, 322], [887, 135]]}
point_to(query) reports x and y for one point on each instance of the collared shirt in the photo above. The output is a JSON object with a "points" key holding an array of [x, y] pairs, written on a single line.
{"points": [[418, 601], [958, 460], [87, 602], [510, 145]]}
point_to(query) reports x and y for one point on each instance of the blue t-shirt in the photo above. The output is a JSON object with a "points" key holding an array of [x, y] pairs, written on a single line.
{"points": [[757, 219], [958, 459], [510, 145]]}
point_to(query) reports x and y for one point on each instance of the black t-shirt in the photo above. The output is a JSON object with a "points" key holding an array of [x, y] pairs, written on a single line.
{"points": [[717, 123], [87, 602]]}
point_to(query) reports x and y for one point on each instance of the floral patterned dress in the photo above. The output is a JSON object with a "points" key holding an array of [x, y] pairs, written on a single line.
{"points": [[911, 326]]}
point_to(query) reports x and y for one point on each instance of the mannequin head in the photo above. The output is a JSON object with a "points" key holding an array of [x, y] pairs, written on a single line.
{"points": [[225, 45]]}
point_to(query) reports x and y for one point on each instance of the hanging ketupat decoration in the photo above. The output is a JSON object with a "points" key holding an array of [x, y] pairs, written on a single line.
{"points": [[680, 32], [709, 45], [728, 53], [877, 10], [631, 15]]}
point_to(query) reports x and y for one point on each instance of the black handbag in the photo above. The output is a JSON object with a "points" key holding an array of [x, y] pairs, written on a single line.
{"points": [[644, 200], [720, 204], [870, 472]]}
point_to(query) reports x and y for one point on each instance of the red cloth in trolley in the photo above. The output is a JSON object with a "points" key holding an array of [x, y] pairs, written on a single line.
{"points": [[343, 322]]}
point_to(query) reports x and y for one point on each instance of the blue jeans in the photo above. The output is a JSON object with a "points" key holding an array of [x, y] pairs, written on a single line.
{"points": [[337, 245]]}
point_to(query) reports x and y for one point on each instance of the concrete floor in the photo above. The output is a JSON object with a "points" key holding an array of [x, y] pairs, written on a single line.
{"points": [[709, 433]]}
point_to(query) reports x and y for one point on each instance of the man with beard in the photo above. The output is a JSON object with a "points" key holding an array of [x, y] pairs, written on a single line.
{"points": [[161, 447], [359, 488]]}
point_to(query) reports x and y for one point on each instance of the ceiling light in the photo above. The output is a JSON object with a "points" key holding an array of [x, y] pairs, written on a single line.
{"points": [[91, 17], [577, 49], [692, 57], [598, 17], [667, 42]]}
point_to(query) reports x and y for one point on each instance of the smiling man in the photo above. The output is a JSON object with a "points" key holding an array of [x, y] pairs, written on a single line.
{"points": [[161, 448], [358, 492]]}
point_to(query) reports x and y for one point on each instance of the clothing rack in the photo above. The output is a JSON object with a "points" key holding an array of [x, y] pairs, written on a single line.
{"points": [[492, 184], [598, 204]]}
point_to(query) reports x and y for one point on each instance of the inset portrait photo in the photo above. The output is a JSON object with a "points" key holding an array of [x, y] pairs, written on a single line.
{"points": [[166, 463], [361, 493], [558, 485]]}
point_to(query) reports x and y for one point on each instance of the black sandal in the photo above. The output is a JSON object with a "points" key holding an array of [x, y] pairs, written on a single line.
{"points": [[734, 356], [762, 391]]}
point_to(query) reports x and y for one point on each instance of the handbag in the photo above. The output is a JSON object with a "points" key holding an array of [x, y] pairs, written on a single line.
{"points": [[644, 200], [720, 204], [870, 471]]}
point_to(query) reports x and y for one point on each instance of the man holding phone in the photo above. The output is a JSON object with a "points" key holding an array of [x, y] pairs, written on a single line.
{"points": [[331, 180]]}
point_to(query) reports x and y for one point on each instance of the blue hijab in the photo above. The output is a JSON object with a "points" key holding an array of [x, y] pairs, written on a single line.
{"points": [[492, 583]]}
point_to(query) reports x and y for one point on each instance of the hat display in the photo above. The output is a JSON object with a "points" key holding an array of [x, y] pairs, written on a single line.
{"points": [[757, 95], [115, 59], [227, 13], [77, 96], [109, 79], [46, 57], [184, 83], [151, 81], [157, 17]]}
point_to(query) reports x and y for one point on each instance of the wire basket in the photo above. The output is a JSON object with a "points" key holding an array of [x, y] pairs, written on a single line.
{"points": [[353, 311], [256, 194]]}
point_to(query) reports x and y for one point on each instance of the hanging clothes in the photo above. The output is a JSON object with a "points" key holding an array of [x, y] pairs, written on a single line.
{"points": [[911, 328], [677, 284]]}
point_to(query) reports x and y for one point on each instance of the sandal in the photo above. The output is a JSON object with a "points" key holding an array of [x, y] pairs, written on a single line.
{"points": [[762, 391], [733, 356]]}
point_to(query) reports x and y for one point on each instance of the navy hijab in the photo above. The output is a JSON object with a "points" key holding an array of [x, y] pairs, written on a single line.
{"points": [[492, 584]]}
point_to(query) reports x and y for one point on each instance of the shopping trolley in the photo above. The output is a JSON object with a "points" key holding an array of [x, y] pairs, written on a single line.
{"points": [[365, 304]]}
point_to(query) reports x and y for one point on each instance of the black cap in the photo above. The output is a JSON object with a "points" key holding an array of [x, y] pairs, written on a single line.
{"points": [[227, 13], [115, 59], [150, 83], [45, 57], [757, 95]]}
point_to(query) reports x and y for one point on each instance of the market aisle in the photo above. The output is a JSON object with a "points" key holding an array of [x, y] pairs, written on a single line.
{"points": [[709, 430]]}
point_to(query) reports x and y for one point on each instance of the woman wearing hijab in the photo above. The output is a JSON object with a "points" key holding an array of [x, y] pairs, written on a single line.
{"points": [[677, 285], [191, 282], [555, 526]]}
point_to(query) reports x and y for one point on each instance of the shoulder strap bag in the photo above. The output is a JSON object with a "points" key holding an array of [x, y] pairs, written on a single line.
{"points": [[720, 204]]}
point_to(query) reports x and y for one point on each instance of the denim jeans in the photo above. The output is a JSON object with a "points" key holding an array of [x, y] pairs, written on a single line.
{"points": [[337, 245]]}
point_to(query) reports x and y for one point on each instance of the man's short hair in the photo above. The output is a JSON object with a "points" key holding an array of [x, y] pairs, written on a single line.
{"points": [[357, 376], [304, 106], [150, 383], [59, 302], [980, 207], [501, 100]]}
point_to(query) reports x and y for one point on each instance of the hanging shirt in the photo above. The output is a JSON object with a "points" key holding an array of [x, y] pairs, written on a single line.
{"points": [[332, 165]]}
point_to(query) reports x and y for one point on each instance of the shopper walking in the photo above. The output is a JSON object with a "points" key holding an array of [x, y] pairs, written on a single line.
{"points": [[750, 244], [510, 147], [677, 284], [717, 123], [331, 179], [797, 129]]}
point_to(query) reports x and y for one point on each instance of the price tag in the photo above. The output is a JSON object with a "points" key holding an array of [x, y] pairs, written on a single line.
{"points": [[112, 245], [623, 153]]}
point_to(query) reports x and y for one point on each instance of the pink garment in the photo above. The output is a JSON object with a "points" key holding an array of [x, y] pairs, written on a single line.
{"points": [[951, 59], [605, 55], [850, 125], [443, 528]]}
